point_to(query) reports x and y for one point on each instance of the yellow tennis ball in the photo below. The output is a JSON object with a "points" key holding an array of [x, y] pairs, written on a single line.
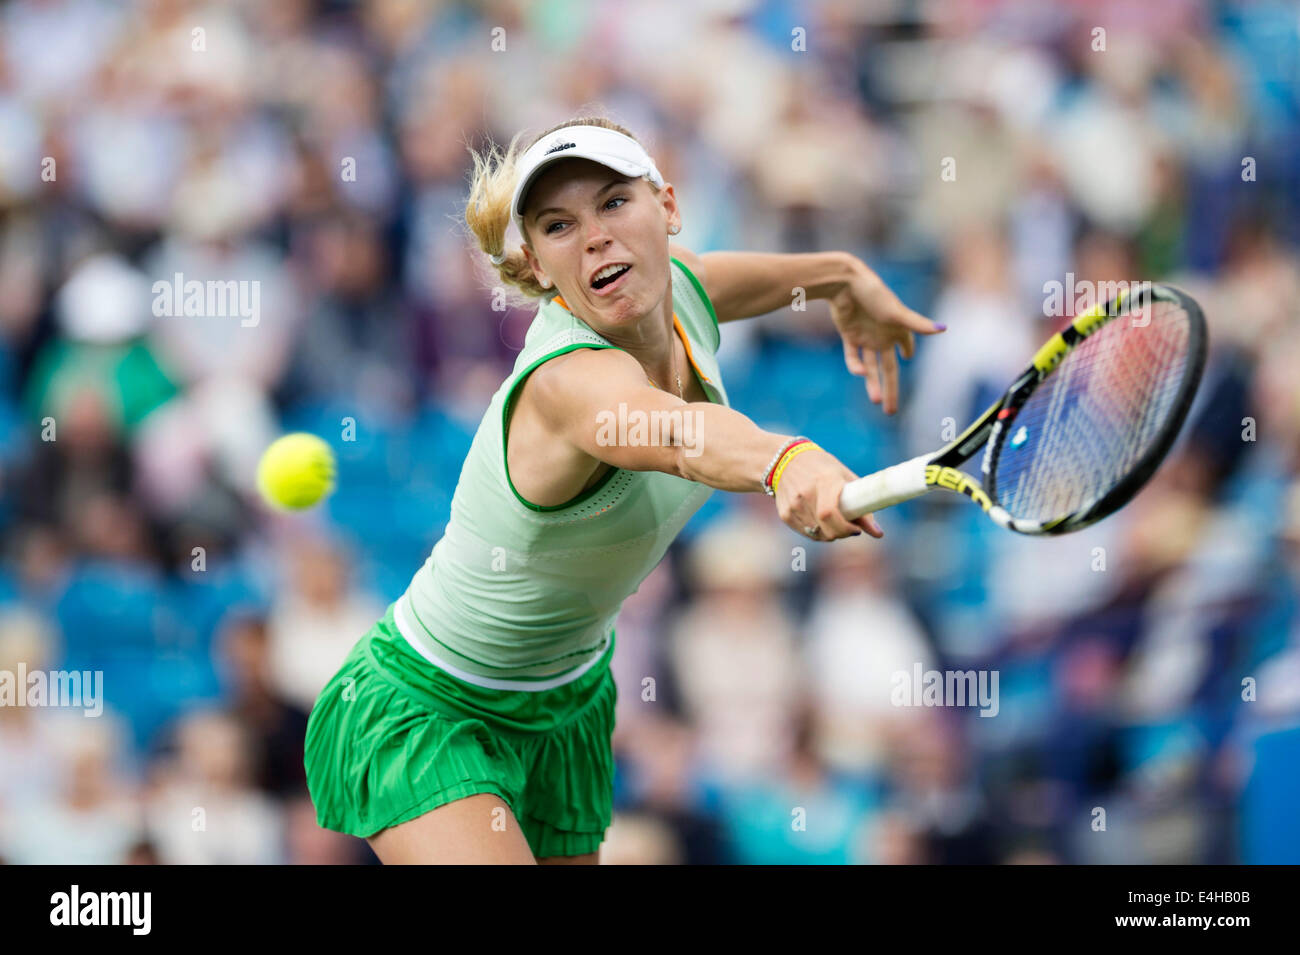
{"points": [[296, 471]]}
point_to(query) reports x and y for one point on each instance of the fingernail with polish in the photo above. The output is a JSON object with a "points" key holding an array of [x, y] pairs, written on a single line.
{"points": [[942, 328]]}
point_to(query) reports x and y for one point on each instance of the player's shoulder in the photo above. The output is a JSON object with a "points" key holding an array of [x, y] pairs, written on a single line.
{"points": [[585, 358], [561, 380], [693, 262]]}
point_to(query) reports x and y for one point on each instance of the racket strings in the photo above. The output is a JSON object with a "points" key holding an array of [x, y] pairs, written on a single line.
{"points": [[1091, 422], [1116, 417], [1100, 417]]}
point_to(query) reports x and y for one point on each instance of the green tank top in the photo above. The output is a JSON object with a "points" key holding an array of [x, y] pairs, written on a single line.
{"points": [[520, 596]]}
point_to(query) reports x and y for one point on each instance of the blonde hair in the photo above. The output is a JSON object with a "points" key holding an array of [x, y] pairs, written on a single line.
{"points": [[487, 211]]}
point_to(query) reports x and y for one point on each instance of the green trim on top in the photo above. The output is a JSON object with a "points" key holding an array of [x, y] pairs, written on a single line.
{"points": [[704, 295], [505, 433]]}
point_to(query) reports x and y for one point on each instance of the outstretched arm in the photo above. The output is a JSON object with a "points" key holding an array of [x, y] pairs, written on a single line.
{"points": [[870, 318], [598, 402], [746, 284]]}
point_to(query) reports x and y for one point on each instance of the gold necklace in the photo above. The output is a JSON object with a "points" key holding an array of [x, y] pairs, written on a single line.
{"points": [[680, 393]]}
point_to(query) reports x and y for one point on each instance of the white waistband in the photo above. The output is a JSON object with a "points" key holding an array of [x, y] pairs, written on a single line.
{"points": [[407, 629]]}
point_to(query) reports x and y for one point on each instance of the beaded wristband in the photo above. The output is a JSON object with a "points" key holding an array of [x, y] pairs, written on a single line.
{"points": [[776, 459], [789, 456]]}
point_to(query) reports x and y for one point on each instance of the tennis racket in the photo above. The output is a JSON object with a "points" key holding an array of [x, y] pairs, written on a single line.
{"points": [[1079, 431]]}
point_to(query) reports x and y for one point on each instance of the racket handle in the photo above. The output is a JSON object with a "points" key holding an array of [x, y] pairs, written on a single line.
{"points": [[893, 485]]}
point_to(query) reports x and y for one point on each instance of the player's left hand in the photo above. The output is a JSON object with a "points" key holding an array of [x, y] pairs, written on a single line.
{"points": [[871, 320]]}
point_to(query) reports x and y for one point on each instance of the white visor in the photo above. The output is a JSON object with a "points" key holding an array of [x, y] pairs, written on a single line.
{"points": [[605, 146]]}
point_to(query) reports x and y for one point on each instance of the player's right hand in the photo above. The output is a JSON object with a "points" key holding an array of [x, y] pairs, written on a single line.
{"points": [[808, 496]]}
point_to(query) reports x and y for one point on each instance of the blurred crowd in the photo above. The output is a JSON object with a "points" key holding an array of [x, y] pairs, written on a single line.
{"points": [[971, 152]]}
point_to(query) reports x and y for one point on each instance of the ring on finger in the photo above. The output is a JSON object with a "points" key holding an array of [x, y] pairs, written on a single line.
{"points": [[813, 531]]}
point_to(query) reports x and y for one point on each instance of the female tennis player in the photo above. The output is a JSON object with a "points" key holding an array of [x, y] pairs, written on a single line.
{"points": [[473, 723]]}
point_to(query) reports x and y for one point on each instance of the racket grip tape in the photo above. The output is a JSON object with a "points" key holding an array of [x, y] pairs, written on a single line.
{"points": [[893, 485]]}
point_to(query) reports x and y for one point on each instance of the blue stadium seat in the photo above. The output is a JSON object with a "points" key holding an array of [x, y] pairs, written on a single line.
{"points": [[198, 602], [1270, 826], [150, 689], [107, 608]]}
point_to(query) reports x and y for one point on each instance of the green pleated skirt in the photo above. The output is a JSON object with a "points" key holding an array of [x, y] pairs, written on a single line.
{"points": [[392, 736]]}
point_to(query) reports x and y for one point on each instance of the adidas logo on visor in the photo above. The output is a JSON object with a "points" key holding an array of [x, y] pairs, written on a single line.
{"points": [[559, 146]]}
